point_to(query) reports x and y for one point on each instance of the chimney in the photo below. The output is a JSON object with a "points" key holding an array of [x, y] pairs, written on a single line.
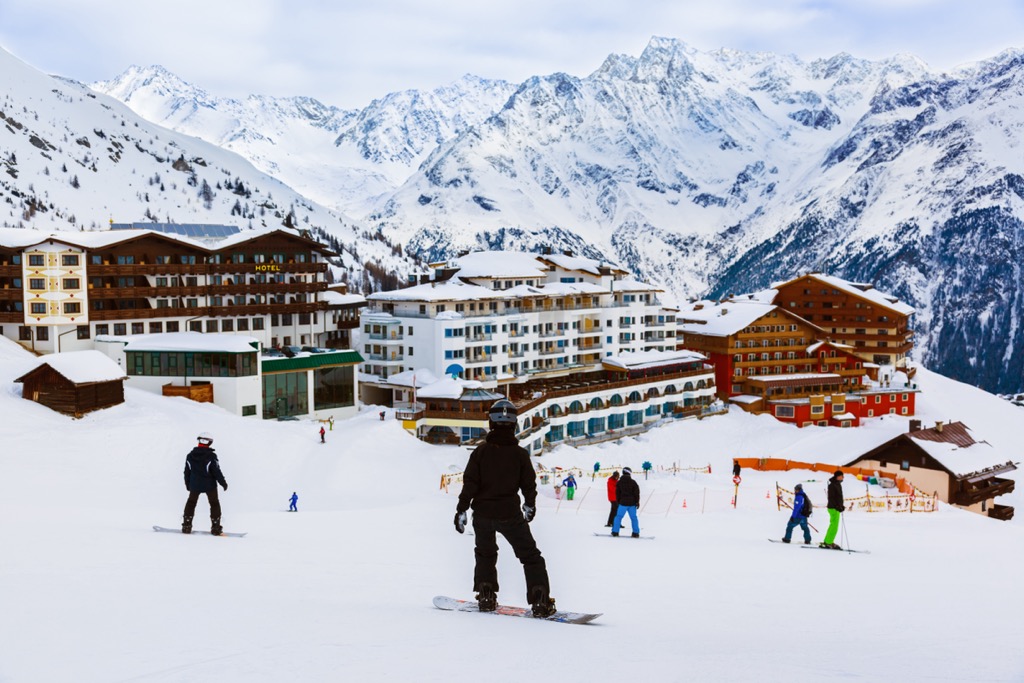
{"points": [[915, 425], [938, 426]]}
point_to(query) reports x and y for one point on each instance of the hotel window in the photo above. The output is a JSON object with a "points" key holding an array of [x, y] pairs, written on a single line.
{"points": [[102, 329], [227, 326], [906, 397], [36, 260], [173, 326], [892, 398], [211, 325], [138, 328], [818, 410], [838, 408], [38, 309], [871, 413], [878, 398], [69, 260], [243, 324], [823, 423], [156, 328], [125, 259], [43, 334], [83, 331], [257, 323], [161, 282], [120, 329], [195, 326], [71, 283], [784, 411], [72, 308], [37, 283], [904, 411]]}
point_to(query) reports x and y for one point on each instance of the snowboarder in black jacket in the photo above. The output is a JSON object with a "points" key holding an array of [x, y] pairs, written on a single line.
{"points": [[835, 509], [497, 471], [627, 494], [202, 474]]}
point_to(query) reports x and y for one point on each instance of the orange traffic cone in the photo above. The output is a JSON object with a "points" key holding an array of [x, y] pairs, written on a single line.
{"points": [[684, 503], [768, 494]]}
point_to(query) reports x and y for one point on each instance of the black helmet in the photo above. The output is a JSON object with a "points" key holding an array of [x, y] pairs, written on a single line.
{"points": [[503, 412]]}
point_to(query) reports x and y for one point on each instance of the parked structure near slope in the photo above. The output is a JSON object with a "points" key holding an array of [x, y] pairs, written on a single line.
{"points": [[75, 383], [946, 459]]}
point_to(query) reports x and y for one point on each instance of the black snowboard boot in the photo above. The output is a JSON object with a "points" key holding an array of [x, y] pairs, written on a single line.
{"points": [[486, 598], [635, 535], [215, 528], [186, 525], [543, 605], [615, 533]]}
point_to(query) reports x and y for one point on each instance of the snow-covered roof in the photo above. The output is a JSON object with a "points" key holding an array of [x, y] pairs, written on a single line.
{"points": [[844, 416], [962, 460], [97, 239], [638, 360], [84, 367], [454, 289], [631, 285], [764, 296], [860, 289], [499, 264], [745, 399], [817, 345], [422, 376], [185, 341], [722, 320], [580, 263], [448, 387], [334, 298], [574, 288]]}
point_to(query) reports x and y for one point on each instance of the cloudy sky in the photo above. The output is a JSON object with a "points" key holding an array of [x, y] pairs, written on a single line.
{"points": [[346, 53]]}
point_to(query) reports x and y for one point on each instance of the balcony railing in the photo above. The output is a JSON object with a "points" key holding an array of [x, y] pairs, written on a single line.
{"points": [[984, 490], [1003, 512]]}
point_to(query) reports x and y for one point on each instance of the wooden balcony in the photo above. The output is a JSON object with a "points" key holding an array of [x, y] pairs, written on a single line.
{"points": [[12, 294], [146, 313], [8, 270], [985, 489], [145, 292], [12, 317], [141, 269], [268, 268], [1003, 512], [267, 288]]}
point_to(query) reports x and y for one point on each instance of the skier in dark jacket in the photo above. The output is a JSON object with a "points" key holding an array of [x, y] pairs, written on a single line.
{"points": [[835, 509], [202, 474], [497, 471], [798, 518], [627, 495]]}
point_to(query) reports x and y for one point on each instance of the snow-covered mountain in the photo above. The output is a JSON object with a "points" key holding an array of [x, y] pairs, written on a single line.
{"points": [[73, 158], [709, 172], [343, 159]]}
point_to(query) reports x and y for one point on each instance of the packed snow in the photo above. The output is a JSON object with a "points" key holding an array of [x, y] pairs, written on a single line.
{"points": [[342, 589]]}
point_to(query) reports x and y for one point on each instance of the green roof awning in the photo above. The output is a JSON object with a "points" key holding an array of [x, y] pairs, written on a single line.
{"points": [[310, 361]]}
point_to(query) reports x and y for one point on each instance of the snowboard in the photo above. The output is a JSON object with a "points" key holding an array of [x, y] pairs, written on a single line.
{"points": [[841, 550], [456, 605], [233, 534], [779, 540], [608, 534]]}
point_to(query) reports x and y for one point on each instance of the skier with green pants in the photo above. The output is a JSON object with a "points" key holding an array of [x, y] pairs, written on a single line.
{"points": [[835, 508], [570, 486]]}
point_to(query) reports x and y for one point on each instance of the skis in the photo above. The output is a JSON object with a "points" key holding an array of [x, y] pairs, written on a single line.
{"points": [[456, 605], [609, 535], [835, 550], [233, 534], [779, 540]]}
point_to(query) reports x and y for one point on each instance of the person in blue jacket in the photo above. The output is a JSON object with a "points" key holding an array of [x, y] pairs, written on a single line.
{"points": [[570, 486], [798, 518], [294, 502]]}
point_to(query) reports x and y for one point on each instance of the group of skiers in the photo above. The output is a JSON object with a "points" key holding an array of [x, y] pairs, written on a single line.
{"points": [[802, 510]]}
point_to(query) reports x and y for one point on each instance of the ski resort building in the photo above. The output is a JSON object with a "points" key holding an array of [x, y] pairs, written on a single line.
{"points": [[630, 394], [875, 324], [768, 359], [75, 383], [506, 317], [946, 460], [60, 290]]}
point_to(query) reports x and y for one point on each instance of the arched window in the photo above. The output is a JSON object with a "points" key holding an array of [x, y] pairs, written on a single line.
{"points": [[575, 407], [596, 403]]}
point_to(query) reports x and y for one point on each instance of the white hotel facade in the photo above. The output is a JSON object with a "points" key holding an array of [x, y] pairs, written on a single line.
{"points": [[584, 350], [502, 317]]}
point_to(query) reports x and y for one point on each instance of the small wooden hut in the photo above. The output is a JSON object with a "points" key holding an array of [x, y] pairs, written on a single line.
{"points": [[75, 383]]}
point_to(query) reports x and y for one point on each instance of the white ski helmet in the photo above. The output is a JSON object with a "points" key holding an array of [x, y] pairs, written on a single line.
{"points": [[205, 438]]}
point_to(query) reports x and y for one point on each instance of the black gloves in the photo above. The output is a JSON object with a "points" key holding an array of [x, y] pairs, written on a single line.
{"points": [[460, 522], [529, 513]]}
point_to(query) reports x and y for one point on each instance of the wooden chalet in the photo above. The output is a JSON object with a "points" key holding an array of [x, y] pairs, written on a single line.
{"points": [[946, 460], [75, 383]]}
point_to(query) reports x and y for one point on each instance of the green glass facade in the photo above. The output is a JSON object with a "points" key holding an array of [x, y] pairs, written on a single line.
{"points": [[190, 364], [285, 393]]}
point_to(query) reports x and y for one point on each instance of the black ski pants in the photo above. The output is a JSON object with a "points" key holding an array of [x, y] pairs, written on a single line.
{"points": [[611, 515], [517, 532], [211, 495]]}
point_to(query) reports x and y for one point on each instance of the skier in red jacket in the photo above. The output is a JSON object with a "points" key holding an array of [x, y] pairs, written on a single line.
{"points": [[612, 481]]}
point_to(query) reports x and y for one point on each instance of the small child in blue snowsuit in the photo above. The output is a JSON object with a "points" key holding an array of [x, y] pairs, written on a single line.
{"points": [[295, 501], [570, 486]]}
